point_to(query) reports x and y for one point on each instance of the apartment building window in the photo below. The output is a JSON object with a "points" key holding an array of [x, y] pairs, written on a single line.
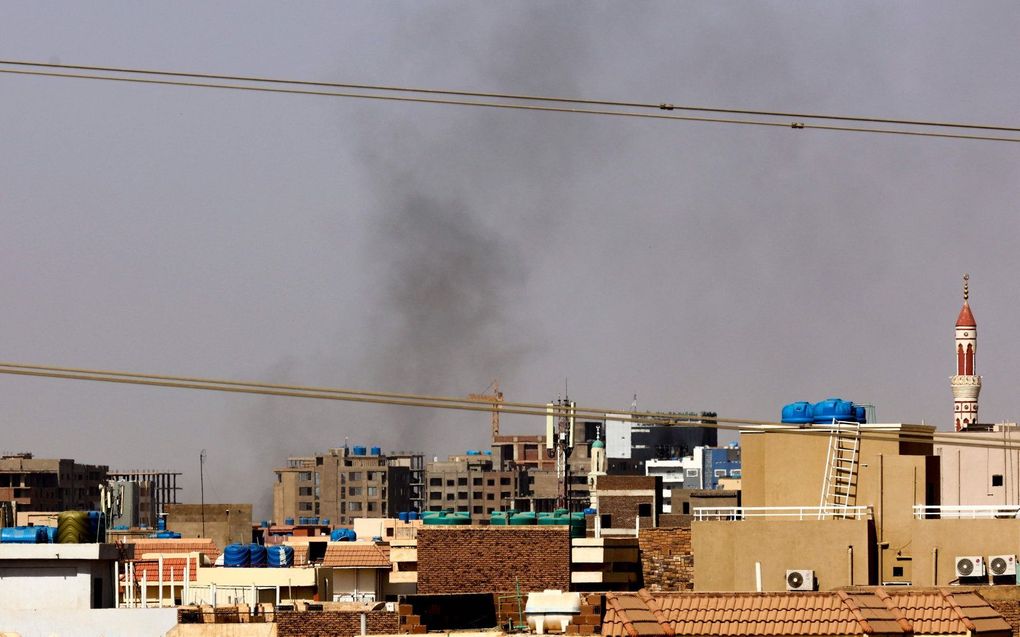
{"points": [[435, 495], [435, 482], [504, 481], [371, 507], [372, 491], [304, 506], [476, 482], [476, 510], [449, 483], [462, 495], [304, 476], [449, 496], [644, 510], [490, 496], [996, 479], [490, 482], [504, 495], [370, 475], [477, 495], [355, 476], [461, 482], [354, 506], [354, 491], [304, 491]]}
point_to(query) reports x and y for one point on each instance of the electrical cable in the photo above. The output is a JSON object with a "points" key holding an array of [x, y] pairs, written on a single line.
{"points": [[513, 96], [525, 107], [527, 409]]}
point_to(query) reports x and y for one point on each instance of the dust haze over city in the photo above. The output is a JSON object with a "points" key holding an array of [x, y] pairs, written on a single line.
{"points": [[434, 248]]}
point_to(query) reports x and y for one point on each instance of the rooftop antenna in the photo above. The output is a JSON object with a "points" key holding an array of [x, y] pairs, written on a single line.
{"points": [[633, 404], [966, 286], [201, 482]]}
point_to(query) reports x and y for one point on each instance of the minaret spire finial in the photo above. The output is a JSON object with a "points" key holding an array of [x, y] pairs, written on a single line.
{"points": [[966, 287]]}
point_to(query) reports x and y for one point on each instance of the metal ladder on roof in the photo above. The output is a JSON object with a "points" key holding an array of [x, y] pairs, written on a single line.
{"points": [[839, 485]]}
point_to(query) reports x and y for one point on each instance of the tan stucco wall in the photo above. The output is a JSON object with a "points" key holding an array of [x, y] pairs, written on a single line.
{"points": [[787, 469], [954, 538], [725, 553]]}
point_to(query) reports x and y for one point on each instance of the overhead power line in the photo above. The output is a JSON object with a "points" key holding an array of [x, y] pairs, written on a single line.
{"points": [[478, 405], [510, 96], [126, 75]]}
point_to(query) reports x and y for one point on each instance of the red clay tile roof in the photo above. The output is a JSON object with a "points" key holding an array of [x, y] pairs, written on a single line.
{"points": [[793, 614], [943, 612], [356, 555]]}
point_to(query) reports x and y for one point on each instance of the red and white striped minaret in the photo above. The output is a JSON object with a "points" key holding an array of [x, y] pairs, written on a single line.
{"points": [[966, 383]]}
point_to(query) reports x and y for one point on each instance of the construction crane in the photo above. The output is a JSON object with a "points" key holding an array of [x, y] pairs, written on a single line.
{"points": [[496, 398]]}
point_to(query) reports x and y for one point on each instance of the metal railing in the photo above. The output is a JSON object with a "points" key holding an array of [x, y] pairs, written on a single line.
{"points": [[965, 512], [702, 514]]}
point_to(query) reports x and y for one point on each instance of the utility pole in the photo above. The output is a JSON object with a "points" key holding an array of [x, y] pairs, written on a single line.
{"points": [[201, 483]]}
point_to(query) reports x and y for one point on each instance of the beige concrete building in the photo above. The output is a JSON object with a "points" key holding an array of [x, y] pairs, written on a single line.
{"points": [[222, 523], [470, 484], [972, 475], [38, 484], [343, 484]]}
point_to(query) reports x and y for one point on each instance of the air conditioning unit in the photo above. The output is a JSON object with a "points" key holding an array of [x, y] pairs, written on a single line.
{"points": [[1002, 564], [800, 580], [970, 566]]}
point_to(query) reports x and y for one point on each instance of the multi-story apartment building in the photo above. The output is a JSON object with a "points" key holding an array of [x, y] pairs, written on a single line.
{"points": [[343, 484], [470, 484], [37, 484]]}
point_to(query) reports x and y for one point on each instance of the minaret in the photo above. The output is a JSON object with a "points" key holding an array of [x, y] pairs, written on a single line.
{"points": [[598, 468], [966, 383]]}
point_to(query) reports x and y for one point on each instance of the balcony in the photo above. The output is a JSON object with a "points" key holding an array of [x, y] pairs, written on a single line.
{"points": [[703, 514]]}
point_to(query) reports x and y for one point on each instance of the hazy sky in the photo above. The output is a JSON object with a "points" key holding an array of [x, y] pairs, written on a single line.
{"points": [[433, 248]]}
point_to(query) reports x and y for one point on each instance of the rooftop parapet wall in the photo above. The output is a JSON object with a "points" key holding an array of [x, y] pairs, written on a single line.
{"points": [[475, 559]]}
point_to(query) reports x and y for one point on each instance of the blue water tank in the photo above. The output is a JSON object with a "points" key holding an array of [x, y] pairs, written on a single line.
{"points": [[799, 413], [325, 522], [590, 511], [833, 409], [861, 413], [343, 535], [412, 515], [256, 555], [359, 451], [280, 556], [24, 535], [376, 451], [472, 452], [402, 516], [265, 524], [51, 534], [236, 555], [288, 521], [166, 535], [488, 452]]}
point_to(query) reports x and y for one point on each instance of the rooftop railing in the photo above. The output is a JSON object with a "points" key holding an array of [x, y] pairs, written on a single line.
{"points": [[702, 514], [965, 512]]}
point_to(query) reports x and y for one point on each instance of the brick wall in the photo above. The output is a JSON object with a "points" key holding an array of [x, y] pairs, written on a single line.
{"points": [[489, 559], [667, 563], [1010, 611], [336, 623], [624, 509]]}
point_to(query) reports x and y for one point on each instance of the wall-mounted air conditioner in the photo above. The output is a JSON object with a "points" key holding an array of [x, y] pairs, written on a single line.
{"points": [[800, 580], [970, 566], [1002, 564]]}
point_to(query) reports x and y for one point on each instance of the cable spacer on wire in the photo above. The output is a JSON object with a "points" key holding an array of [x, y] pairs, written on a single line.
{"points": [[666, 107], [796, 124]]}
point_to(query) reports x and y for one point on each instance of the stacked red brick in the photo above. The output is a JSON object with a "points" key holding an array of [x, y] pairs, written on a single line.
{"points": [[487, 559], [409, 622], [589, 620]]}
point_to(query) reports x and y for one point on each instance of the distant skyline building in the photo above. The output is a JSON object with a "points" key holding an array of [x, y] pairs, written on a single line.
{"points": [[966, 384]]}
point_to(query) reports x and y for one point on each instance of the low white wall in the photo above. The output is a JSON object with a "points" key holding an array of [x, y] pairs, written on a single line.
{"points": [[102, 622]]}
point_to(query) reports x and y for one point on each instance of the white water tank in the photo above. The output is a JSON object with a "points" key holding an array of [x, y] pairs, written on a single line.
{"points": [[551, 610]]}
